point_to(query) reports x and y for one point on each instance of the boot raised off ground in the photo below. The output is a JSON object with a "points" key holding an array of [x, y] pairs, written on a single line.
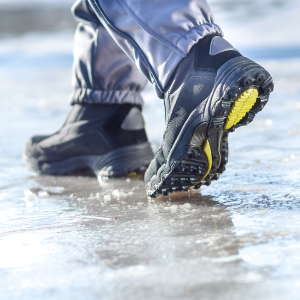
{"points": [[109, 139], [213, 91]]}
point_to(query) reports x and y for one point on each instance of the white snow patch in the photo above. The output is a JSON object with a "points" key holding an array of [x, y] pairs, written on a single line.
{"points": [[118, 194], [107, 198], [186, 206], [173, 208], [54, 189], [43, 194], [30, 197]]}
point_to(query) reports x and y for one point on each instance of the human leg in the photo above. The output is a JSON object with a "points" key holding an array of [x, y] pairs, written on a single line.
{"points": [[208, 87], [104, 131], [157, 35], [102, 72]]}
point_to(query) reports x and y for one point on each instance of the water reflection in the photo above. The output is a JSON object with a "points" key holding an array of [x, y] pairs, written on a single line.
{"points": [[186, 217], [117, 238]]}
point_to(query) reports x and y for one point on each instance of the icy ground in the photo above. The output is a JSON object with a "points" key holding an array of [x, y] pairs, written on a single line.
{"points": [[73, 238]]}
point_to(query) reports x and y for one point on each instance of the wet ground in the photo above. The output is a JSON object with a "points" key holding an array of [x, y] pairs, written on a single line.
{"points": [[76, 238]]}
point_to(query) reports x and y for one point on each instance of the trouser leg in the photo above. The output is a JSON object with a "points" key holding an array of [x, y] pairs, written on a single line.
{"points": [[102, 72], [157, 35]]}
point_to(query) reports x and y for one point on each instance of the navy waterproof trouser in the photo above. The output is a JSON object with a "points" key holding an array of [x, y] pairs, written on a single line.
{"points": [[120, 44]]}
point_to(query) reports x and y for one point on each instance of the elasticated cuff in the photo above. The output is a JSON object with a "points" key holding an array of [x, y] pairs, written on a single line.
{"points": [[106, 97]]}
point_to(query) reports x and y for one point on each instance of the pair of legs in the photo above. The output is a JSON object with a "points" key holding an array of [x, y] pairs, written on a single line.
{"points": [[208, 87]]}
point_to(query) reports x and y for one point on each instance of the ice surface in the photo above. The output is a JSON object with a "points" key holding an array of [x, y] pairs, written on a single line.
{"points": [[73, 238]]}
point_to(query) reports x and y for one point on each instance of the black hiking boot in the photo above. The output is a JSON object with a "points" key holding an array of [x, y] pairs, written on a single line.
{"points": [[213, 91], [108, 139]]}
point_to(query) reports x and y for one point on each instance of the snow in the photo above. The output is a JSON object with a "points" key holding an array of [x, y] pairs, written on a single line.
{"points": [[30, 197], [43, 194], [54, 189]]}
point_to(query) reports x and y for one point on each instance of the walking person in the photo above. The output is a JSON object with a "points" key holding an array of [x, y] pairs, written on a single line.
{"points": [[209, 89]]}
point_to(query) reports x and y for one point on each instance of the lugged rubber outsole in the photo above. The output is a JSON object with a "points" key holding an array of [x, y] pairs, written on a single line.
{"points": [[207, 152]]}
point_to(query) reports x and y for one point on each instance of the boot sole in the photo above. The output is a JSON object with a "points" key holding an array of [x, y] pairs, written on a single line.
{"points": [[205, 157], [117, 163]]}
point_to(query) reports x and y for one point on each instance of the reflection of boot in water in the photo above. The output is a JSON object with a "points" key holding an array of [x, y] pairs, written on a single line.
{"points": [[198, 226]]}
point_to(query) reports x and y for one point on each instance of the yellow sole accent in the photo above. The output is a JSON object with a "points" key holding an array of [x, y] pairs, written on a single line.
{"points": [[241, 106], [207, 151]]}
